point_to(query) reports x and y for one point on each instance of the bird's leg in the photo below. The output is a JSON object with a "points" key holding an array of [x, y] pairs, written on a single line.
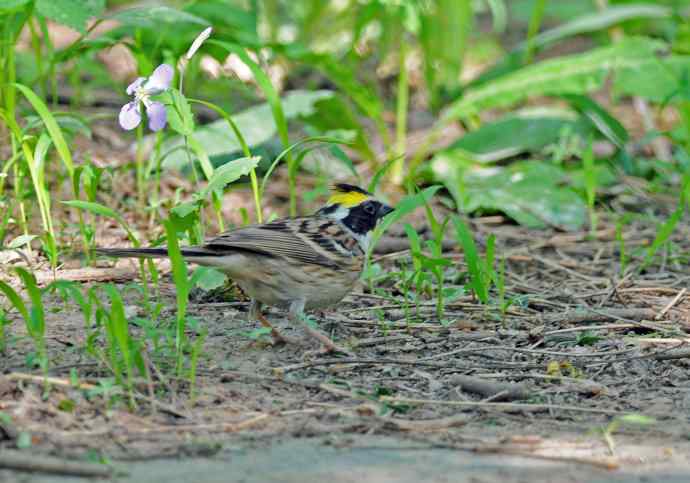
{"points": [[296, 314], [255, 314]]}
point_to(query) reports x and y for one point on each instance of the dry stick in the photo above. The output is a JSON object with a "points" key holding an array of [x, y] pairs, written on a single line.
{"points": [[23, 461], [552, 264], [526, 351], [592, 315], [670, 305], [591, 327], [500, 406], [279, 371], [496, 391], [645, 325]]}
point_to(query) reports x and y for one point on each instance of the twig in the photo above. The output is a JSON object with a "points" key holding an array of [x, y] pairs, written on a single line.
{"points": [[670, 305], [23, 461], [498, 391], [592, 315], [279, 371], [501, 406], [525, 351], [591, 327]]}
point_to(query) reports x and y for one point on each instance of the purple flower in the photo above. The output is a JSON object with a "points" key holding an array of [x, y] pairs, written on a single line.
{"points": [[142, 89]]}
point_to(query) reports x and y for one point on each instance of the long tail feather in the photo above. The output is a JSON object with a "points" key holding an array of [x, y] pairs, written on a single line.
{"points": [[160, 252]]}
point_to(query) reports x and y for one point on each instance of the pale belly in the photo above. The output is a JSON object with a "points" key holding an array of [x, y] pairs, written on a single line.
{"points": [[269, 282]]}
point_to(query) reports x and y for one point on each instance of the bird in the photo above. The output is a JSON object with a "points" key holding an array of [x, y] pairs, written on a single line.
{"points": [[299, 264]]}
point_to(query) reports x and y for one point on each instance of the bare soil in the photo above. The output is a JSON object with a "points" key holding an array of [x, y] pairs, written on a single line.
{"points": [[523, 396]]}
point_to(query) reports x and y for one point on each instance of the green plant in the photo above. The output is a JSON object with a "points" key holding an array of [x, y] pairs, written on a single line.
{"points": [[34, 317], [481, 270]]}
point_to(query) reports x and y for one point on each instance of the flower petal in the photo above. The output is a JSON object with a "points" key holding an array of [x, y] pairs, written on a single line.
{"points": [[159, 80], [158, 116], [200, 39], [135, 85], [130, 115]]}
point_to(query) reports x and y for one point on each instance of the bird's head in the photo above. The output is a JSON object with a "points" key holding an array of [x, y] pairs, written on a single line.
{"points": [[355, 208]]}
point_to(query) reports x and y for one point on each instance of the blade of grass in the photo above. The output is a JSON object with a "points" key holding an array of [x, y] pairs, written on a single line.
{"points": [[179, 272], [470, 252]]}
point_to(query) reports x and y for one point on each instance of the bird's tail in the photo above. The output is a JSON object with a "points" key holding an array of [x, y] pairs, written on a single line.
{"points": [[157, 252]]}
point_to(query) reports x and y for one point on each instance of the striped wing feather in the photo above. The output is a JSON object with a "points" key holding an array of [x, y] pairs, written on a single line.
{"points": [[280, 239]]}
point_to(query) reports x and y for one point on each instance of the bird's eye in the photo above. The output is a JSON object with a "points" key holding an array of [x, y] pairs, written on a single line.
{"points": [[369, 209]]}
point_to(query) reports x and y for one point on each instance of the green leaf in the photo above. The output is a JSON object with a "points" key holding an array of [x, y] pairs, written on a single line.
{"points": [[600, 20], [8, 5], [152, 17], [406, 206], [638, 419], [264, 82], [51, 125], [444, 37], [202, 156], [604, 122], [95, 208], [207, 278], [230, 172], [179, 269], [654, 79], [20, 241], [15, 299], [343, 76], [529, 192], [573, 74], [469, 250], [180, 116], [257, 125], [587, 22], [36, 322], [73, 13], [512, 135]]}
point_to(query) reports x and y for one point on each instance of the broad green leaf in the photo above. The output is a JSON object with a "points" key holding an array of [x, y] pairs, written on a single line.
{"points": [[529, 192], [230, 172], [73, 13], [512, 135], [573, 74], [265, 84], [7, 5], [256, 124], [207, 278], [153, 16], [600, 20], [656, 79]]}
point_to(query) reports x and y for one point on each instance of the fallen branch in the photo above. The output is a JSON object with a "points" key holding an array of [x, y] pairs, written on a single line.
{"points": [[25, 461], [498, 391], [501, 406]]}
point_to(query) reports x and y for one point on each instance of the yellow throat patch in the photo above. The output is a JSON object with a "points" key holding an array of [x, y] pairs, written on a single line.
{"points": [[348, 199]]}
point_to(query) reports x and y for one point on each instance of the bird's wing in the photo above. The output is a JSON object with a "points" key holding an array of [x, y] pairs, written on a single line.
{"points": [[298, 238]]}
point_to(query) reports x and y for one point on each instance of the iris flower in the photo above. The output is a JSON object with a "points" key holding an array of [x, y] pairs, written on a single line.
{"points": [[142, 89]]}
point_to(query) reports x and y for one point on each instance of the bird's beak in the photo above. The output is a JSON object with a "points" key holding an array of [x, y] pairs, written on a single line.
{"points": [[384, 210]]}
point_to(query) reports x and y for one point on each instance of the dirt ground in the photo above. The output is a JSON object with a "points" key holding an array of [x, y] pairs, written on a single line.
{"points": [[539, 393]]}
